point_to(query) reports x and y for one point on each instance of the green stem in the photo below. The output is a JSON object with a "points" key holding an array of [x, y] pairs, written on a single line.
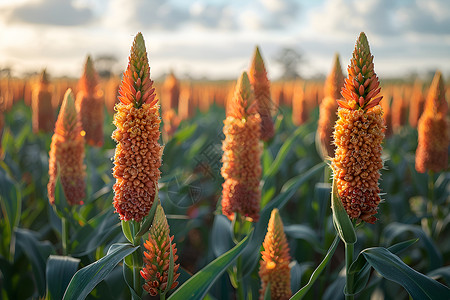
{"points": [[240, 287], [327, 174], [430, 201], [65, 236], [239, 232], [136, 274], [349, 249]]}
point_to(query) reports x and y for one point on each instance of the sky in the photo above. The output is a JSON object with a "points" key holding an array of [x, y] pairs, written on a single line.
{"points": [[216, 39]]}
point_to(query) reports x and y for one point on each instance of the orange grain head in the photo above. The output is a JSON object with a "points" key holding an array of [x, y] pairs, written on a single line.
{"points": [[261, 86], [361, 88], [67, 154], [138, 153], [157, 256], [137, 87], [275, 259], [241, 167], [433, 130]]}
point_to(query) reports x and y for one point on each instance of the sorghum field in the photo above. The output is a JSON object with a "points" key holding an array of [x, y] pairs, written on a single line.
{"points": [[132, 189]]}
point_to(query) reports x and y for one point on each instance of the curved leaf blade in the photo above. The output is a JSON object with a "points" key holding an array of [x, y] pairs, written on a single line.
{"points": [[393, 268], [37, 252], [85, 280], [198, 285], [302, 292], [60, 270], [341, 221], [251, 253]]}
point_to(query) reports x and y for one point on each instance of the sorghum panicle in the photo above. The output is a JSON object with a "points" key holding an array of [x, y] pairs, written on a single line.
{"points": [[41, 104], [67, 154], [90, 103], [261, 87], [171, 122], [359, 132], [299, 105], [170, 93], [433, 130], [157, 256], [328, 109], [274, 265], [138, 154], [417, 104], [242, 151]]}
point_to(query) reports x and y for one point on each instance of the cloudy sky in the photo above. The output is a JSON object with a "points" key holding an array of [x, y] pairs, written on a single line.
{"points": [[216, 38]]}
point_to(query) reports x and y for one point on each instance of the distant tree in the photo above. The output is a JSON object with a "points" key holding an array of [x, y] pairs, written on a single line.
{"points": [[104, 64], [5, 72], [290, 60]]}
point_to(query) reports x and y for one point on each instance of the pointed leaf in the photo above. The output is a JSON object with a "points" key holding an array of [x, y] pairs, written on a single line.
{"points": [[198, 285], [221, 238], [60, 270], [251, 253], [37, 253], [341, 221], [284, 150], [302, 292], [393, 268], [394, 230], [360, 268], [10, 200], [85, 280], [148, 220]]}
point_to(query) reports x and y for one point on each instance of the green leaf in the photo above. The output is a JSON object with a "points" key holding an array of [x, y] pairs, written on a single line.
{"points": [[183, 134], [267, 293], [60, 270], [393, 268], [61, 206], [284, 150], [85, 280], [443, 273], [10, 201], [95, 232], [342, 223], [304, 232], [37, 253], [394, 230], [251, 253], [360, 268], [302, 292], [128, 277], [198, 285], [221, 237], [126, 229], [148, 220]]}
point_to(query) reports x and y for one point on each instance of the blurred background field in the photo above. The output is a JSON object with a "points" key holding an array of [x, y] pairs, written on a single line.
{"points": [[190, 187]]}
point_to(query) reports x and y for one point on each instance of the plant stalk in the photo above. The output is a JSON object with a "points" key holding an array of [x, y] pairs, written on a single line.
{"points": [[65, 236], [430, 201], [240, 287], [349, 249]]}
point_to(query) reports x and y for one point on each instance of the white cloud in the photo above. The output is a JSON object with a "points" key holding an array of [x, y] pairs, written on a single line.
{"points": [[50, 12]]}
